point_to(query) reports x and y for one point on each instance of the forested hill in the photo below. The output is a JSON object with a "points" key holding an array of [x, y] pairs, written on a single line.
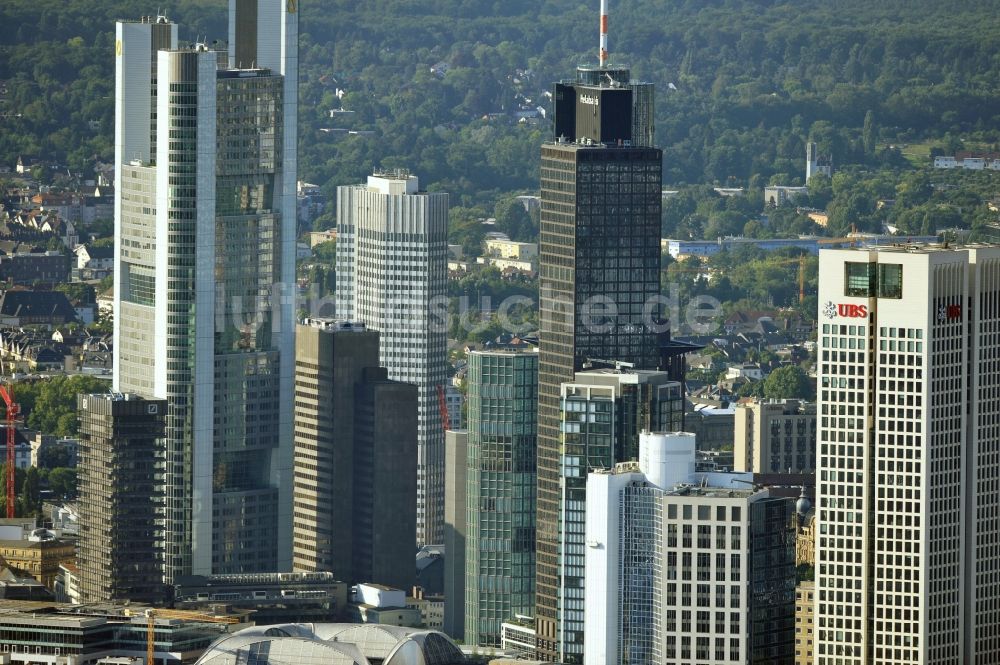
{"points": [[752, 81]]}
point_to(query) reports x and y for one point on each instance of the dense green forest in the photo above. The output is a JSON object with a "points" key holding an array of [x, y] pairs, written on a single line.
{"points": [[741, 84]]}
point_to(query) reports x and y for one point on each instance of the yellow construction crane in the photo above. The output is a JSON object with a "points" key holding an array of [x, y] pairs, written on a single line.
{"points": [[152, 613], [801, 260]]}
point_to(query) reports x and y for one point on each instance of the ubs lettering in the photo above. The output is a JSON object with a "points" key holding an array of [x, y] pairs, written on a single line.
{"points": [[853, 311]]}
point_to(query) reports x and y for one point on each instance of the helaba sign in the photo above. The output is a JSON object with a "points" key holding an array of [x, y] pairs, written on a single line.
{"points": [[587, 99], [832, 310]]}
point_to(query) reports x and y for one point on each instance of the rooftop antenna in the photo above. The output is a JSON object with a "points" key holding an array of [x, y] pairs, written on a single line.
{"points": [[603, 56]]}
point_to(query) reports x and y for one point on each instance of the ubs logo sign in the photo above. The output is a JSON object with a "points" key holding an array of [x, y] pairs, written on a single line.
{"points": [[832, 310]]}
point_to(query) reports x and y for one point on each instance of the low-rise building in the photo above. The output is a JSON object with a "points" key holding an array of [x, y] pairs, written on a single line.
{"points": [[88, 635], [21, 308], [779, 195], [40, 555], [273, 597], [431, 608], [380, 604]]}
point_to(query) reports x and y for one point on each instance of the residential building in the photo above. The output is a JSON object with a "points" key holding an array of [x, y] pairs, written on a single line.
{"points": [[30, 268], [122, 457], [779, 195], [26, 308], [501, 477], [455, 530], [272, 597], [603, 412], [38, 555], [355, 458], [391, 274], [775, 436], [905, 556], [686, 567], [599, 244], [205, 266]]}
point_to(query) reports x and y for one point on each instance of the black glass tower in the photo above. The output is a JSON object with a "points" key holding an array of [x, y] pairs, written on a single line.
{"points": [[599, 279]]}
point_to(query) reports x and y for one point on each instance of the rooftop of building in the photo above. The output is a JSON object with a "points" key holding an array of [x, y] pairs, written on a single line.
{"points": [[922, 247], [354, 644]]}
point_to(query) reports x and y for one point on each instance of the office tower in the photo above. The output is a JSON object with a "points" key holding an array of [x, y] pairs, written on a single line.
{"points": [[391, 274], [500, 534], [906, 493], [599, 244], [456, 467], [122, 457], [205, 247], [355, 458], [686, 567], [775, 436], [602, 414]]}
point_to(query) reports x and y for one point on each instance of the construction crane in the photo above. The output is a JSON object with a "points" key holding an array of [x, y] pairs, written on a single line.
{"points": [[151, 615], [13, 409], [801, 260]]}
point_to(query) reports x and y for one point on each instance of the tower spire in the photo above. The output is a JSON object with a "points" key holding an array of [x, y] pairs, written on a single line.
{"points": [[603, 56]]}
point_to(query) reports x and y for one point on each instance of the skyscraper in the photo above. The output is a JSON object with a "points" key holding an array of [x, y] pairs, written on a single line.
{"points": [[205, 146], [392, 244], [599, 269], [122, 458], [602, 414], [500, 533], [355, 458], [906, 554]]}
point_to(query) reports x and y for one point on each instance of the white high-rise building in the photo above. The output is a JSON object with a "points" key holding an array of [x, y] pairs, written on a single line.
{"points": [[685, 567], [907, 492], [205, 150], [392, 248]]}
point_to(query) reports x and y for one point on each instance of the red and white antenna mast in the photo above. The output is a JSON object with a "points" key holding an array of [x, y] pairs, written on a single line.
{"points": [[604, 33]]}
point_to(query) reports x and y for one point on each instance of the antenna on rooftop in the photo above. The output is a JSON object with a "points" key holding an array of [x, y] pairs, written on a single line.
{"points": [[603, 55]]}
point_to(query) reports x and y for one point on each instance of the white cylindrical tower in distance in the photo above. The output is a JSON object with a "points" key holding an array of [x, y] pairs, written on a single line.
{"points": [[604, 33], [667, 458]]}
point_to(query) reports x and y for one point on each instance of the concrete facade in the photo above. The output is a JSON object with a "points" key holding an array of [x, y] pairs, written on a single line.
{"points": [[355, 462]]}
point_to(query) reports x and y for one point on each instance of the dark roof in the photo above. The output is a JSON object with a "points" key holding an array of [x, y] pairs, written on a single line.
{"points": [[100, 252], [36, 304]]}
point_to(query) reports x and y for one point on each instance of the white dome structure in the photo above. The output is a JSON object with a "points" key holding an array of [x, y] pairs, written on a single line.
{"points": [[333, 644]]}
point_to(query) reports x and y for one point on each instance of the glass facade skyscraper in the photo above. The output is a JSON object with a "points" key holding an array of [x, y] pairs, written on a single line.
{"points": [[205, 147], [500, 524]]}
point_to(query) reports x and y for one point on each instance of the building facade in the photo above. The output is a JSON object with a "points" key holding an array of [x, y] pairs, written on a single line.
{"points": [[355, 458], [602, 414], [685, 567], [205, 155], [122, 458], [775, 436], [455, 531], [273, 597], [599, 244], [501, 479], [391, 274], [805, 604], [905, 561]]}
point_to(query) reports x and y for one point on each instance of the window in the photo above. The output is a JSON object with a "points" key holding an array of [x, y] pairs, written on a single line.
{"points": [[859, 279], [890, 280]]}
